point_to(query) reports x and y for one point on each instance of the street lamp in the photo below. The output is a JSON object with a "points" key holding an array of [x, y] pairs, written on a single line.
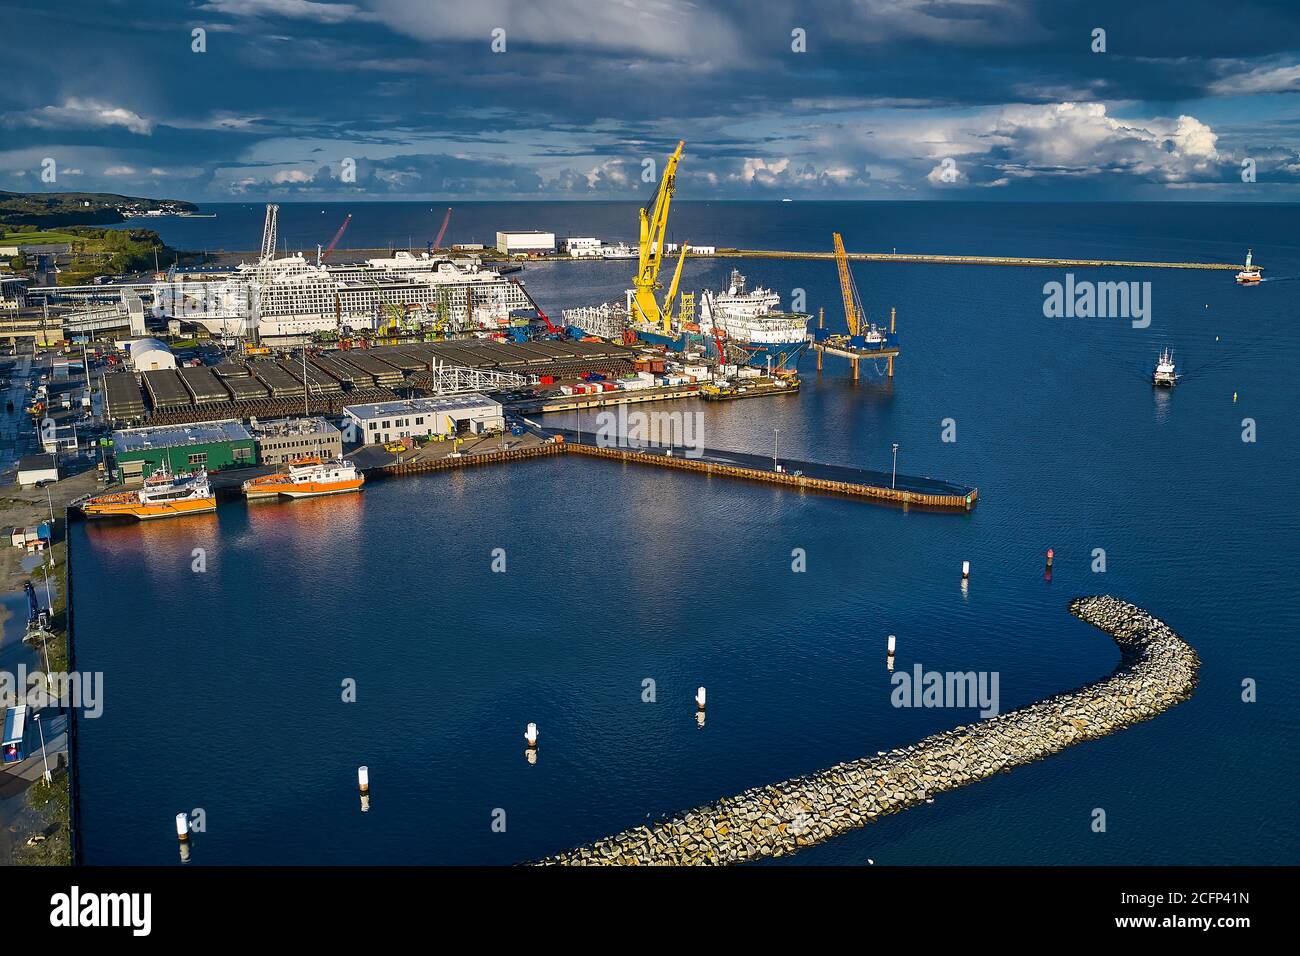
{"points": [[894, 477], [48, 778], [50, 501], [776, 437]]}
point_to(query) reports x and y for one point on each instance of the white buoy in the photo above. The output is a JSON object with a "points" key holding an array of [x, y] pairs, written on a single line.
{"points": [[363, 779], [893, 642], [530, 735], [965, 569], [700, 699], [182, 827]]}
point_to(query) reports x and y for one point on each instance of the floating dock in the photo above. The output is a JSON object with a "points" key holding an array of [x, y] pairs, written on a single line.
{"points": [[977, 260]]}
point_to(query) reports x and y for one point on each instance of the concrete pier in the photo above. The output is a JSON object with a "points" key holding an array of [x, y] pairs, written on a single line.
{"points": [[1157, 670], [978, 260], [880, 487]]}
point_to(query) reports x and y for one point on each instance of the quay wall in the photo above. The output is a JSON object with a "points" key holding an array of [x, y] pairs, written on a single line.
{"points": [[875, 492], [1157, 670], [852, 489]]}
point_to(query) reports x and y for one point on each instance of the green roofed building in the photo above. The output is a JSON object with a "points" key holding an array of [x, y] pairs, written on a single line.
{"points": [[140, 452]]}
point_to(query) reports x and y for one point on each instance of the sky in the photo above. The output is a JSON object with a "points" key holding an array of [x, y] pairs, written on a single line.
{"points": [[239, 100]]}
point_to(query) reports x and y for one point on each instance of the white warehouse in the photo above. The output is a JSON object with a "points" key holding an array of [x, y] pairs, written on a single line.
{"points": [[513, 243], [416, 417]]}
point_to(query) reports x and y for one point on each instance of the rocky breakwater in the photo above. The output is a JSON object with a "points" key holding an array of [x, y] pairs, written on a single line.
{"points": [[1157, 670]]}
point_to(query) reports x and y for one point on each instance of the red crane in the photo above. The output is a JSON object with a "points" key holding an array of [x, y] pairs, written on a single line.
{"points": [[337, 236], [722, 352], [437, 243], [551, 327]]}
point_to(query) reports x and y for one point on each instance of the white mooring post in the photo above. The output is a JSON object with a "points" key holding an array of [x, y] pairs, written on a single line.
{"points": [[965, 570], [700, 699]]}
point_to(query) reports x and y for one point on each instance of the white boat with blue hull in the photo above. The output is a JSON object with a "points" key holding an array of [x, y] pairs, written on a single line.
{"points": [[752, 321]]}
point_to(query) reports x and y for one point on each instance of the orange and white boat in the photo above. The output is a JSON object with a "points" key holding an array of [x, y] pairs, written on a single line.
{"points": [[308, 477], [162, 496], [1249, 275]]}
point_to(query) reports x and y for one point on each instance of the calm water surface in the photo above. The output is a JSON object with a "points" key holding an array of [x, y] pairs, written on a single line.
{"points": [[223, 688]]}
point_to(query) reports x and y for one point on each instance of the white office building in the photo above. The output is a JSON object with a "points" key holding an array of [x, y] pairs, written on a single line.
{"points": [[383, 422], [530, 241]]}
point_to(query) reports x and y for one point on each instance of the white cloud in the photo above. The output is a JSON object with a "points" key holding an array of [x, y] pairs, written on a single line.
{"points": [[120, 171], [1261, 79], [291, 176], [669, 29], [1066, 140], [78, 113], [289, 9]]}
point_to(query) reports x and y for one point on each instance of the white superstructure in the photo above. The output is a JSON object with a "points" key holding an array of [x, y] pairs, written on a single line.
{"points": [[750, 317], [294, 296]]}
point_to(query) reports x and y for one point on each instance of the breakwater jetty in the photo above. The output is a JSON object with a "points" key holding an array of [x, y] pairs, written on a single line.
{"points": [[1157, 670], [1023, 261]]}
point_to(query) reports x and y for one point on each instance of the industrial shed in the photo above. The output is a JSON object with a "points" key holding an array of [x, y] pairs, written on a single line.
{"points": [[122, 397], [165, 390], [204, 387], [139, 452], [275, 378], [150, 355]]}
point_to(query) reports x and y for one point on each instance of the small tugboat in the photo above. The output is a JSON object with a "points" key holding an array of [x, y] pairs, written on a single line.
{"points": [[163, 496], [1165, 374], [307, 477], [1249, 275]]}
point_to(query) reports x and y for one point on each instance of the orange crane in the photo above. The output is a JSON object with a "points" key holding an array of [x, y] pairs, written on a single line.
{"points": [[854, 314], [337, 236]]}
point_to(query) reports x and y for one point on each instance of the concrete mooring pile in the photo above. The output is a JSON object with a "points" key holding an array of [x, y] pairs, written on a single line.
{"points": [[1157, 670]]}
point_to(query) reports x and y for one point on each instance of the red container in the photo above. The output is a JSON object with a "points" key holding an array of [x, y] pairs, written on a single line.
{"points": [[547, 379]]}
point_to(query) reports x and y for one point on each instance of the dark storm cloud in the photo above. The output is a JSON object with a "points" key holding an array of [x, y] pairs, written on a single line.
{"points": [[586, 91]]}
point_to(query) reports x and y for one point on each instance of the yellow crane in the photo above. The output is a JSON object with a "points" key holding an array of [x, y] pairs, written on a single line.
{"points": [[654, 223], [853, 311]]}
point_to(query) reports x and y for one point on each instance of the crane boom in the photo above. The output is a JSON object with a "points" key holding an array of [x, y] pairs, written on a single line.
{"points": [[337, 236], [437, 243], [672, 290], [848, 289], [654, 223]]}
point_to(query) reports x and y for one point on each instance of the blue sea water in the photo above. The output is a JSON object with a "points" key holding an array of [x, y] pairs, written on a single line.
{"points": [[223, 688]]}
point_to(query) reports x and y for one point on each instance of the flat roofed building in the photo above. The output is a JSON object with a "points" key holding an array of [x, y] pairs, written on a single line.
{"points": [[455, 414], [509, 243], [281, 440], [183, 448], [36, 468]]}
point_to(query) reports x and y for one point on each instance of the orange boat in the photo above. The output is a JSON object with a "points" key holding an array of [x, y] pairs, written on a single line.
{"points": [[163, 496], [307, 477]]}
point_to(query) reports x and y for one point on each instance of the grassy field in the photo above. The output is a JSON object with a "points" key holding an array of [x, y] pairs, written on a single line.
{"points": [[32, 238]]}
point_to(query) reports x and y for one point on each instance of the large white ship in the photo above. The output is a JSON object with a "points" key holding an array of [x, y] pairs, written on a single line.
{"points": [[754, 321], [293, 297]]}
